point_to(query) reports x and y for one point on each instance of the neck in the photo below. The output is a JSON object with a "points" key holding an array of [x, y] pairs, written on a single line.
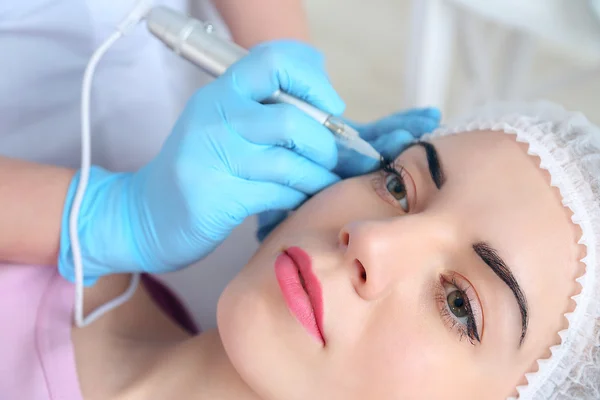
{"points": [[195, 369]]}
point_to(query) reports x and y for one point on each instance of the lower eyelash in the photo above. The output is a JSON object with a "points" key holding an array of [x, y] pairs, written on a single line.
{"points": [[454, 325], [468, 331]]}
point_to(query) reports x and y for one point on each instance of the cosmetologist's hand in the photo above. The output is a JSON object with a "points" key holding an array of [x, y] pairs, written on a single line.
{"points": [[228, 157]]}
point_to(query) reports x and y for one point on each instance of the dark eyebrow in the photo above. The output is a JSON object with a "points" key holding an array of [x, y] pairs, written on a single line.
{"points": [[433, 163], [497, 264]]}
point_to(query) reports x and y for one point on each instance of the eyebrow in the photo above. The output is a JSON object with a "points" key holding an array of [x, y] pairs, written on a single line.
{"points": [[433, 163], [491, 257]]}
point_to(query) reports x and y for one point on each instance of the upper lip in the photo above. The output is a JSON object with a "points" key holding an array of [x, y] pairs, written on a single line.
{"points": [[312, 285]]}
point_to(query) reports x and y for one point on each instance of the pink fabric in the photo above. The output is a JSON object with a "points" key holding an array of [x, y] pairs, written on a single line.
{"points": [[36, 354]]}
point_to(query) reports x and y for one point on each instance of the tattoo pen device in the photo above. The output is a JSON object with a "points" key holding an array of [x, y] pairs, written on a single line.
{"points": [[195, 41]]}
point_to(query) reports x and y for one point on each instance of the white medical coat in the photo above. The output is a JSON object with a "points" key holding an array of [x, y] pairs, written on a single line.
{"points": [[139, 88]]}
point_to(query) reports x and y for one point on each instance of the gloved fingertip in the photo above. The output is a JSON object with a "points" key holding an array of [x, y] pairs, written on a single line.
{"points": [[370, 165], [394, 138], [319, 93], [433, 113], [429, 125], [392, 144], [336, 105], [351, 163], [418, 126]]}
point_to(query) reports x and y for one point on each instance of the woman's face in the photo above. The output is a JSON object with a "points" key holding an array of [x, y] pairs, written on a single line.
{"points": [[444, 281]]}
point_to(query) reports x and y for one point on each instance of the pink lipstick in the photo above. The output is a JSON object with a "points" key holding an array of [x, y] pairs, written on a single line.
{"points": [[301, 290]]}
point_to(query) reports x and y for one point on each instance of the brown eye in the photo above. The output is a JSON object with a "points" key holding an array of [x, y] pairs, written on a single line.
{"points": [[457, 303], [395, 186]]}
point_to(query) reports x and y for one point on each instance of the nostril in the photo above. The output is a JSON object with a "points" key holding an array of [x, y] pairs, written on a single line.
{"points": [[344, 238], [361, 271]]}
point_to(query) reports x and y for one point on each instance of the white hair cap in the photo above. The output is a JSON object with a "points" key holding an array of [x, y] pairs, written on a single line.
{"points": [[568, 146]]}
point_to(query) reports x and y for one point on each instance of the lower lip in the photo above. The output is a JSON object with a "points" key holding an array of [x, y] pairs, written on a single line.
{"points": [[306, 307]]}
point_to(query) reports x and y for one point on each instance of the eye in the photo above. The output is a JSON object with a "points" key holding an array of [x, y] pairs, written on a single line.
{"points": [[460, 307], [395, 186]]}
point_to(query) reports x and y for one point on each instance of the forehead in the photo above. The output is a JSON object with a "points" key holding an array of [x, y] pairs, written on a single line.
{"points": [[491, 179], [500, 192], [490, 175]]}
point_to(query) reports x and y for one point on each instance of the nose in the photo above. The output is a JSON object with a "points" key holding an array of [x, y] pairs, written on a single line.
{"points": [[383, 253]]}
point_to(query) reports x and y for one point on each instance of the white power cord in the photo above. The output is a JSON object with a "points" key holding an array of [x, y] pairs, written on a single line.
{"points": [[139, 11]]}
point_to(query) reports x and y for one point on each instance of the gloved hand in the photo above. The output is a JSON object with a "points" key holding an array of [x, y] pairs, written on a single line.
{"points": [[389, 136], [228, 157]]}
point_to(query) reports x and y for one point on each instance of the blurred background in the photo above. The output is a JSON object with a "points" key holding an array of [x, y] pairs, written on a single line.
{"points": [[385, 55]]}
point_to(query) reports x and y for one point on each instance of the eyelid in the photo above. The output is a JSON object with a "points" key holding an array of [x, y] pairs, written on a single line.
{"points": [[380, 187], [465, 286]]}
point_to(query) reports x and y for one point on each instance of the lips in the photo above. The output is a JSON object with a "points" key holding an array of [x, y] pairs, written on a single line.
{"points": [[301, 290]]}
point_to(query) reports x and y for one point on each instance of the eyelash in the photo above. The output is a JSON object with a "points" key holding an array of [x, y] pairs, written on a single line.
{"points": [[468, 331], [387, 169], [387, 164]]}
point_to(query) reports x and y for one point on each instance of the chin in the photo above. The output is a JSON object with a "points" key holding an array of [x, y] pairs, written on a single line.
{"points": [[239, 314], [246, 320], [263, 342]]}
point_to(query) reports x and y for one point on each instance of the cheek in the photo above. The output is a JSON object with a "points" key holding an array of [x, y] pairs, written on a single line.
{"points": [[393, 356], [323, 212], [407, 352], [344, 202]]}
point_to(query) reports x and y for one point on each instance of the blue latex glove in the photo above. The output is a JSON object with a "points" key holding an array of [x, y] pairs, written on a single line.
{"points": [[389, 136], [228, 157]]}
